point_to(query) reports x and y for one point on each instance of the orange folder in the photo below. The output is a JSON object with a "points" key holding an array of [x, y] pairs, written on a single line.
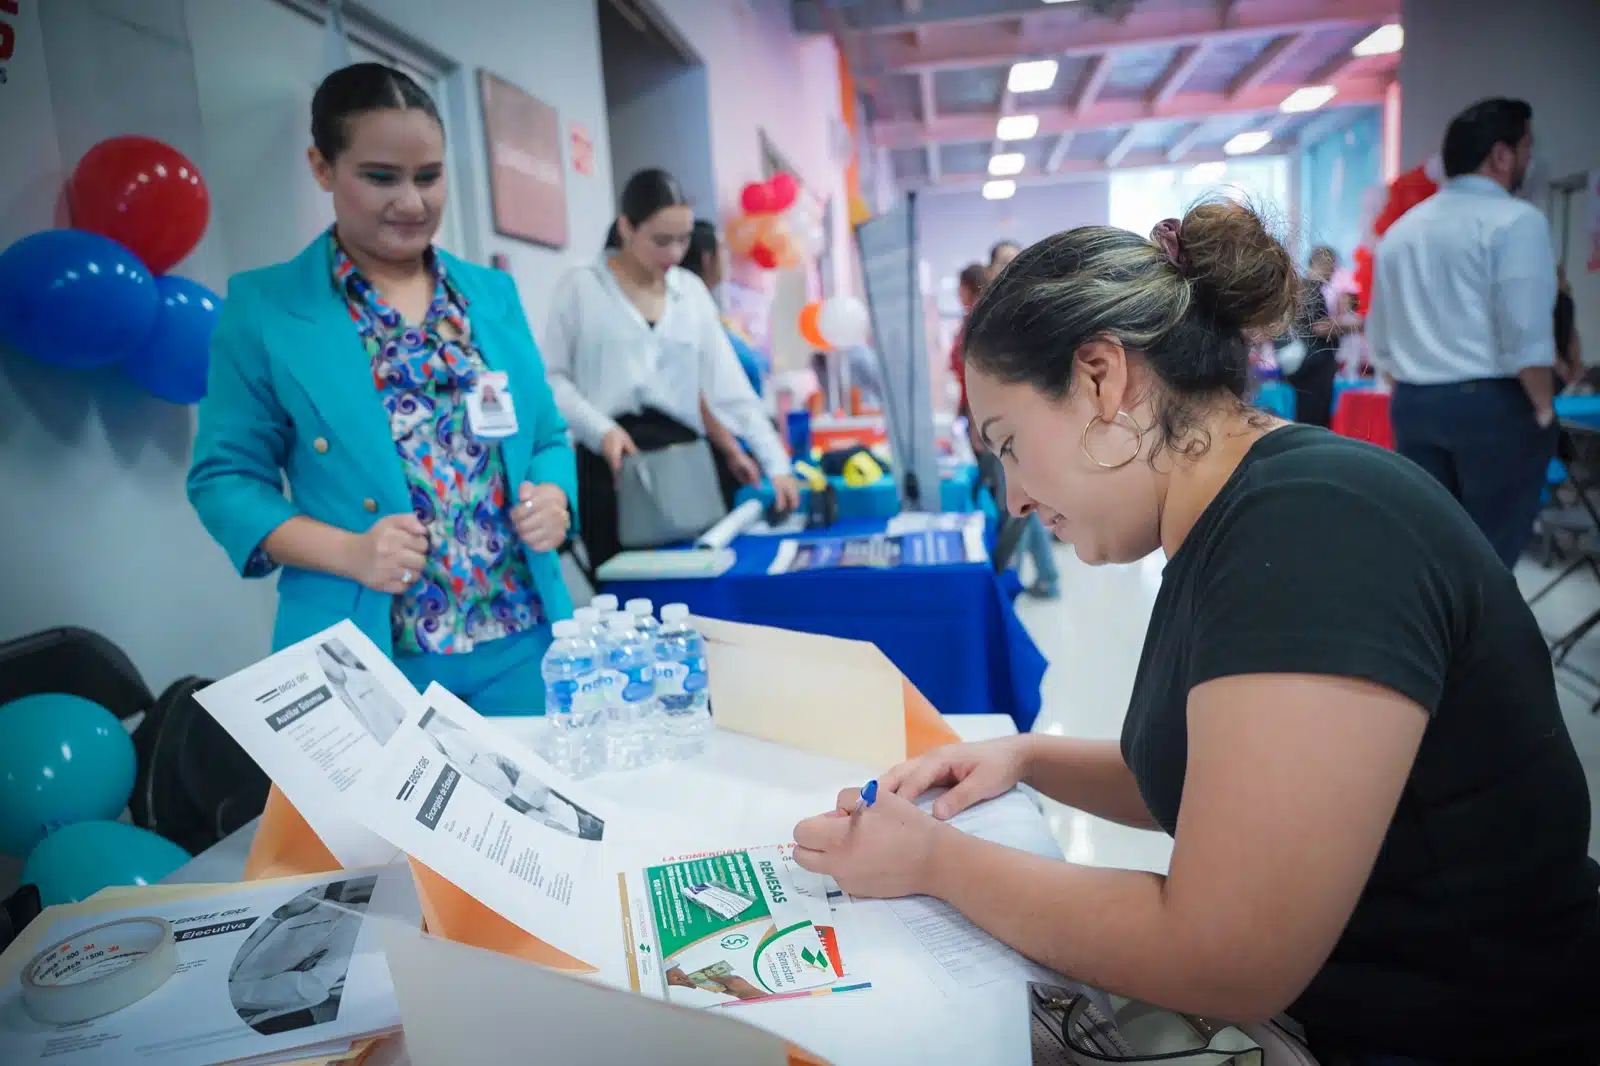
{"points": [[286, 845]]}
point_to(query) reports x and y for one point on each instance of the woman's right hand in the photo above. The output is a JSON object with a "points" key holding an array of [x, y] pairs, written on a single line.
{"points": [[616, 445], [389, 556], [973, 773]]}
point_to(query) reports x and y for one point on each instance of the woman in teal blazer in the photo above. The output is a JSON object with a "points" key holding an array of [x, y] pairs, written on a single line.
{"points": [[397, 394]]}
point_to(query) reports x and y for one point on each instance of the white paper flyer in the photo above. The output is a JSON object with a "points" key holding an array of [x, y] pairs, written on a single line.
{"points": [[265, 972], [460, 796], [316, 716]]}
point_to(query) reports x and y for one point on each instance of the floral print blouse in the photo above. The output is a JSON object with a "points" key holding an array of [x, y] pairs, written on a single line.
{"points": [[475, 586]]}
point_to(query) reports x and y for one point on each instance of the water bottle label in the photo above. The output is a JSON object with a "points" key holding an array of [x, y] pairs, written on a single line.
{"points": [[638, 684], [669, 678], [696, 680], [560, 694], [601, 689]]}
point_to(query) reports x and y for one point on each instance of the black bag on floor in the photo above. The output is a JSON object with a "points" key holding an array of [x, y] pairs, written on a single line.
{"points": [[76, 661], [196, 784]]}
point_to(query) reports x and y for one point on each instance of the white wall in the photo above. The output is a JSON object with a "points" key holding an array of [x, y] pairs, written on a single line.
{"points": [[763, 76], [95, 527], [660, 111], [1544, 51], [959, 226]]}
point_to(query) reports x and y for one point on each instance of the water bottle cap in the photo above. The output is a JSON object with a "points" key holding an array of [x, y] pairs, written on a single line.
{"points": [[675, 612], [603, 603], [565, 630], [586, 616], [641, 608]]}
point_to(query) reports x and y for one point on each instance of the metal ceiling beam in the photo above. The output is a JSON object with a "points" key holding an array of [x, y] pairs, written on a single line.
{"points": [[1007, 106], [1184, 107], [1058, 154], [1263, 67], [1124, 145], [930, 111], [1331, 69], [1186, 142], [1081, 170], [1094, 79], [1249, 19], [1178, 71]]}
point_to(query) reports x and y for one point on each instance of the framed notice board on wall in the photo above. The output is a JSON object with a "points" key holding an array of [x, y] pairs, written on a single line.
{"points": [[527, 174]]}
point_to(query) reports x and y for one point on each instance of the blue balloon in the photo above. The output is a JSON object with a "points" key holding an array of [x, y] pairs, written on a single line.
{"points": [[171, 365], [75, 299], [63, 759], [74, 863]]}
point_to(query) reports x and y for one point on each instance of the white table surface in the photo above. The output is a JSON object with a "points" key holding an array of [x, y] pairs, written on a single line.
{"points": [[743, 791]]}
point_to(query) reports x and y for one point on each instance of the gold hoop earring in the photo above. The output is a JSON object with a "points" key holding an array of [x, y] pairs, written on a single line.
{"points": [[1120, 416]]}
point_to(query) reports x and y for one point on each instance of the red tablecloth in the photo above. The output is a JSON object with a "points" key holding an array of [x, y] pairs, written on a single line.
{"points": [[1364, 415]]}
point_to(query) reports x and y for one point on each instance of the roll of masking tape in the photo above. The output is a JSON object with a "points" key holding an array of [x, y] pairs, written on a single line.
{"points": [[99, 970]]}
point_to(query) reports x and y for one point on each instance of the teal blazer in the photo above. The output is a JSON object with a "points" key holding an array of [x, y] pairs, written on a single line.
{"points": [[290, 396]]}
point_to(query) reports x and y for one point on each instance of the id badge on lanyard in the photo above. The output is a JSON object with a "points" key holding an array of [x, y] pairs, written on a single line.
{"points": [[490, 409]]}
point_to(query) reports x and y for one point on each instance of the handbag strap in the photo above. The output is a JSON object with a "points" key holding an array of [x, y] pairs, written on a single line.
{"points": [[1076, 1019]]}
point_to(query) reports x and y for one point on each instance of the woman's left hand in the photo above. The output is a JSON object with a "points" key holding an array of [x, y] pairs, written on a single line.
{"points": [[540, 516], [786, 493], [745, 470], [885, 851]]}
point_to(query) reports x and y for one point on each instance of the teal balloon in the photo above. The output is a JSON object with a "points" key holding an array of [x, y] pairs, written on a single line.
{"points": [[75, 862], [63, 759]]}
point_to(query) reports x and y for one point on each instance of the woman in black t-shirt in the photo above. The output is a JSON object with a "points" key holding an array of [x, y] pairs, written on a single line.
{"points": [[1344, 712]]}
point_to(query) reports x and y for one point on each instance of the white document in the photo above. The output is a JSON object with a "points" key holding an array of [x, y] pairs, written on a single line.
{"points": [[957, 955], [316, 716], [462, 797], [266, 972]]}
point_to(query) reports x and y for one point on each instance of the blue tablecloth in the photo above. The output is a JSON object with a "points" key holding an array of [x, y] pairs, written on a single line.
{"points": [[950, 629]]}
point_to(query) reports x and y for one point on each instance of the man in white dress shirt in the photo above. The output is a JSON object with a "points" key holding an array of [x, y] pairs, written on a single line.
{"points": [[1464, 291]]}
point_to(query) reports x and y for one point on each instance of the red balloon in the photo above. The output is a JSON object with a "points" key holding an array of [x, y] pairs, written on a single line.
{"points": [[756, 199], [783, 189], [764, 257], [143, 194]]}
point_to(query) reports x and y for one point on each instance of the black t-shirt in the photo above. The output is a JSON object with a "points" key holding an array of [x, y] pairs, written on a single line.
{"points": [[1478, 933]]}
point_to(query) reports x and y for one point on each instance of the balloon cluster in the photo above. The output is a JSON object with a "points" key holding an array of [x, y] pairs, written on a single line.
{"points": [[837, 322], [1405, 192], [67, 770], [99, 293], [779, 227]]}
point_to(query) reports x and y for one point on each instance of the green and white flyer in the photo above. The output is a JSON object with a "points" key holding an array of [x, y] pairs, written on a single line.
{"points": [[735, 927]]}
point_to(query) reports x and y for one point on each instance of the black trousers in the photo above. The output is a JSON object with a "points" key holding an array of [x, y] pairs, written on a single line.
{"points": [[1480, 440], [1313, 388], [651, 430]]}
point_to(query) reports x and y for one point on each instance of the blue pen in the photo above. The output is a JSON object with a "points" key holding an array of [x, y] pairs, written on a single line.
{"points": [[869, 795]]}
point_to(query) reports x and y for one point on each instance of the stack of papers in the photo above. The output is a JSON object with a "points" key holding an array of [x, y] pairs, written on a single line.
{"points": [[280, 971], [380, 771], [659, 912]]}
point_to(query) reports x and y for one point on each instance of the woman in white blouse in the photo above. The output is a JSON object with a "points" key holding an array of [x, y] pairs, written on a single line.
{"points": [[634, 345]]}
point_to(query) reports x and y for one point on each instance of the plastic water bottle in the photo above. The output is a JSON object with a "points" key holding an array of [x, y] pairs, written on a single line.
{"points": [[588, 620], [603, 603], [681, 684], [629, 726], [643, 613], [570, 700]]}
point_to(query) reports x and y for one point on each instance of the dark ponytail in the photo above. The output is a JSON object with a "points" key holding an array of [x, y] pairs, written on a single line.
{"points": [[355, 90], [647, 192], [702, 243]]}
